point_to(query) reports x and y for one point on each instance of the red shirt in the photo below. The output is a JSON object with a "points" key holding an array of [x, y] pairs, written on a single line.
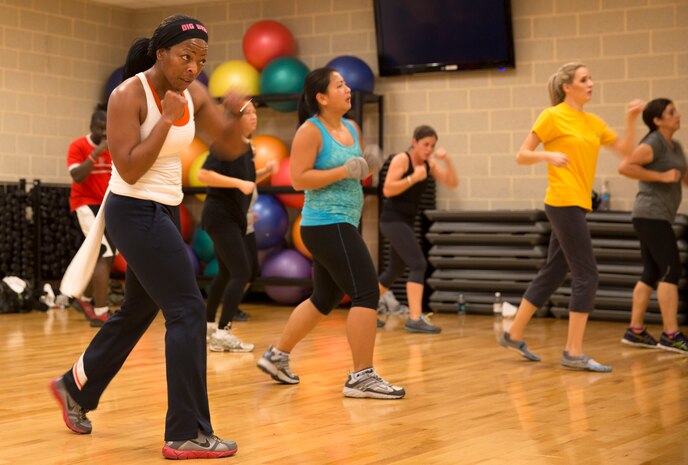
{"points": [[92, 189]]}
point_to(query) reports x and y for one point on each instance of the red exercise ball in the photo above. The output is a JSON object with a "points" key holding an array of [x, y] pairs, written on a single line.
{"points": [[266, 40], [186, 222], [283, 178], [119, 264]]}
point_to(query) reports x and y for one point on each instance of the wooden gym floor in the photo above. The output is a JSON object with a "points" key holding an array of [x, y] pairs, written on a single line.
{"points": [[468, 400]]}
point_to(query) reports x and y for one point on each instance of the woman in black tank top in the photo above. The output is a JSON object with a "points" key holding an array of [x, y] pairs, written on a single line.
{"points": [[404, 186]]}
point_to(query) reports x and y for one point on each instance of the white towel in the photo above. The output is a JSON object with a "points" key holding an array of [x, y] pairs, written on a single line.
{"points": [[80, 270]]}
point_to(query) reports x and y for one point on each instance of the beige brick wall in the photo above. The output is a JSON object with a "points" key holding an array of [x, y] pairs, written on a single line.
{"points": [[58, 54], [57, 57]]}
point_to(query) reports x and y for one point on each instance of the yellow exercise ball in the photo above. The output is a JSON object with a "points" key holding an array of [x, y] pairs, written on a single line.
{"points": [[188, 155], [194, 168], [236, 75]]}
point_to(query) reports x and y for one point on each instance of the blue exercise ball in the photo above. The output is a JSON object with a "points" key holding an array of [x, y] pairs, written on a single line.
{"points": [[273, 221], [113, 81], [283, 75], [202, 244], [356, 73], [195, 264], [202, 78]]}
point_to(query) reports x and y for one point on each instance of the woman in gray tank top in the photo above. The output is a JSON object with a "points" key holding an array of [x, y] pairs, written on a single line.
{"points": [[659, 165]]}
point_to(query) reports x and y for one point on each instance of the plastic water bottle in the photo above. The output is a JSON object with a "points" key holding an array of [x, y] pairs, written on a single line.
{"points": [[604, 197], [497, 304], [461, 304]]}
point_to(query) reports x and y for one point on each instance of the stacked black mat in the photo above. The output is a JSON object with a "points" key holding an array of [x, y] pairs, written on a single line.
{"points": [[617, 251], [478, 253]]}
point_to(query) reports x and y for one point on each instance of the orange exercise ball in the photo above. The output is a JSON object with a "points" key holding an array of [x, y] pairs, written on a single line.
{"points": [[296, 239], [283, 178], [268, 148], [188, 155]]}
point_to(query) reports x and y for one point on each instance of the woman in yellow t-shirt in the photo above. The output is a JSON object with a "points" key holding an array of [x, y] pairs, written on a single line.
{"points": [[572, 139]]}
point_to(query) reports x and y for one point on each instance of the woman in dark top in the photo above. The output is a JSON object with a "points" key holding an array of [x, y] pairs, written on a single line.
{"points": [[405, 183], [230, 188], [659, 165]]}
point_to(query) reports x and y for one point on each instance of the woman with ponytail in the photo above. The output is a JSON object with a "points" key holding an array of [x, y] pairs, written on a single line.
{"points": [[659, 165], [572, 139], [151, 116], [327, 162]]}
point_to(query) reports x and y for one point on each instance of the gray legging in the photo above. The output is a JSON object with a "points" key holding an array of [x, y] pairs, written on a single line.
{"points": [[405, 251], [570, 247]]}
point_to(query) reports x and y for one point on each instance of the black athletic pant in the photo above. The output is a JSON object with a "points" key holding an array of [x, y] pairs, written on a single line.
{"points": [[159, 276], [658, 249], [341, 264], [405, 251], [232, 250], [570, 248]]}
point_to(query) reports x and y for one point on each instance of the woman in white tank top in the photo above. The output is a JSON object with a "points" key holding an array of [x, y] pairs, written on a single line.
{"points": [[152, 116]]}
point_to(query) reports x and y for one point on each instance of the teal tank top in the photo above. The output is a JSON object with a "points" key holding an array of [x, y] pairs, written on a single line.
{"points": [[339, 202]]}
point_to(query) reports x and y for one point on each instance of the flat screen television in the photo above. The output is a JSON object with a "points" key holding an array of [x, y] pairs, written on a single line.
{"points": [[419, 36]]}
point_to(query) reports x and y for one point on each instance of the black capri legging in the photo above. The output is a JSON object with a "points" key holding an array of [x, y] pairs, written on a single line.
{"points": [[570, 248], [341, 264], [661, 261], [405, 251]]}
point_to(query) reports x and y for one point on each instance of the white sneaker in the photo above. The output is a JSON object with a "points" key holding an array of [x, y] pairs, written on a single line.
{"points": [[211, 328], [224, 341], [389, 301]]}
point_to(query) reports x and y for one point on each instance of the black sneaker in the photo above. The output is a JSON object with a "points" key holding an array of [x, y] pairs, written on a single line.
{"points": [[73, 414], [678, 344], [204, 446], [421, 325], [277, 366], [643, 339], [368, 384]]}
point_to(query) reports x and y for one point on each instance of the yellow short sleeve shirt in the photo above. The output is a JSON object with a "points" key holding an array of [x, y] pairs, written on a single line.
{"points": [[578, 135]]}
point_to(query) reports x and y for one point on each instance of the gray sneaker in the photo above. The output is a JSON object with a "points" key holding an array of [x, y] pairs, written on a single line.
{"points": [[73, 414], [277, 366], [519, 346], [368, 384], [204, 446], [583, 362], [422, 325]]}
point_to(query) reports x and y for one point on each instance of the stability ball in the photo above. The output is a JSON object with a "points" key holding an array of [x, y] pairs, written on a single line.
{"points": [[266, 40], [211, 269], [186, 222], [195, 264], [202, 78], [234, 75], [287, 263], [188, 155], [263, 254], [195, 167], [202, 244], [268, 148], [113, 81], [356, 73], [283, 76], [297, 240], [119, 264], [273, 221], [283, 178]]}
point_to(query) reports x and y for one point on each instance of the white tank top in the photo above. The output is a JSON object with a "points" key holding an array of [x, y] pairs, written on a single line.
{"points": [[163, 181]]}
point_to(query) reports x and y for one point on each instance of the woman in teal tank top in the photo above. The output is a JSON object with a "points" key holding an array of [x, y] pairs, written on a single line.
{"points": [[327, 162]]}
